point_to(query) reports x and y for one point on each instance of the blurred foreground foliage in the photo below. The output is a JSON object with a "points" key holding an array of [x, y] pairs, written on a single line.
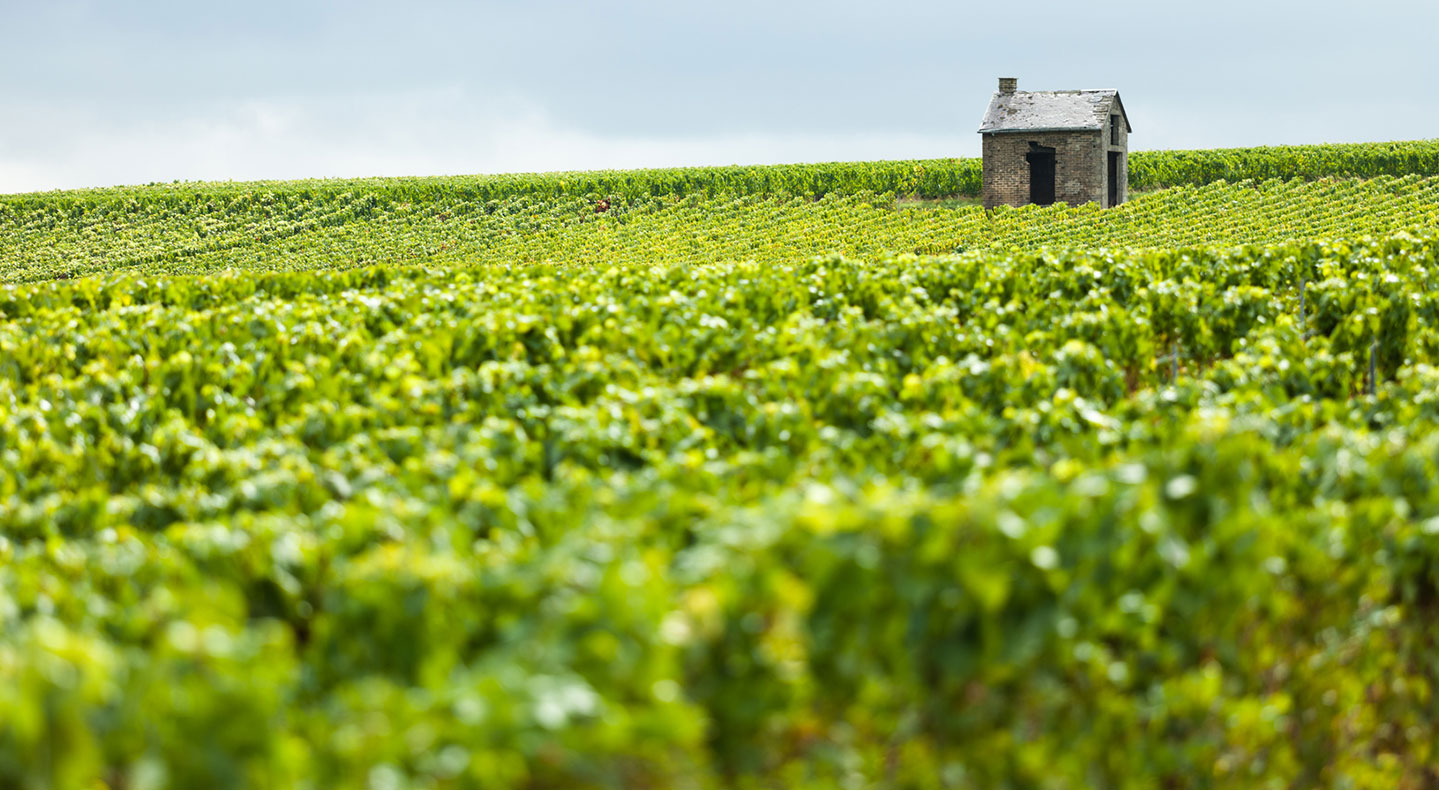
{"points": [[1106, 519]]}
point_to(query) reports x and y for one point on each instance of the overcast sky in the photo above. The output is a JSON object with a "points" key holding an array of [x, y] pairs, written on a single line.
{"points": [[102, 93]]}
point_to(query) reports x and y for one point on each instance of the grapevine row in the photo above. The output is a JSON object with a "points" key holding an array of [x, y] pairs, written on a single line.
{"points": [[356, 230]]}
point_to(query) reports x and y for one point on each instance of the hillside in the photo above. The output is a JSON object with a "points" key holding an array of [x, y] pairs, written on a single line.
{"points": [[448, 483], [272, 232], [703, 214]]}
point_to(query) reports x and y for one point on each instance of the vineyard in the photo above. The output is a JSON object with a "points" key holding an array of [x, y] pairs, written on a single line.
{"points": [[276, 231], [725, 481]]}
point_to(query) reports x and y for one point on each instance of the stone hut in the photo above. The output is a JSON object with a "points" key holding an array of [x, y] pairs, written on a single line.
{"points": [[1047, 146]]}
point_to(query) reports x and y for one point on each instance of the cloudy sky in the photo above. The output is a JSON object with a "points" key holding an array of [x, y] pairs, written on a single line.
{"points": [[102, 93]]}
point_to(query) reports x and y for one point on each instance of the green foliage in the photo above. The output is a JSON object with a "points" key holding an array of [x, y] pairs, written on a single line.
{"points": [[288, 231], [923, 178], [924, 520], [653, 496], [1152, 169]]}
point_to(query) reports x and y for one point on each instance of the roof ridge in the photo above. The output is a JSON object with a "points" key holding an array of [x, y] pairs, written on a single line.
{"points": [[1070, 90]]}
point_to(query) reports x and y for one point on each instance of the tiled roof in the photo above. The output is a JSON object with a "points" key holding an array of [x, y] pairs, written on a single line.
{"points": [[1039, 111]]}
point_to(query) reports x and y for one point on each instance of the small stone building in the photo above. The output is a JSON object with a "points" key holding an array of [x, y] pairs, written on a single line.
{"points": [[1046, 146]]}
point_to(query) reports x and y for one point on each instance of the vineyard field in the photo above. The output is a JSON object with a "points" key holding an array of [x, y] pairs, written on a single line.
{"points": [[278, 231], [401, 485]]}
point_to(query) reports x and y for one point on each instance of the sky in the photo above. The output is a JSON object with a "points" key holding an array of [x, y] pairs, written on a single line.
{"points": [[104, 93]]}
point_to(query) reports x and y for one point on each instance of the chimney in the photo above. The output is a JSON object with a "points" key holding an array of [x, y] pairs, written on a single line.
{"points": [[1008, 84]]}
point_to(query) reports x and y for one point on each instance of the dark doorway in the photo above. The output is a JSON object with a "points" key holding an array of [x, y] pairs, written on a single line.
{"points": [[1114, 178], [1041, 174]]}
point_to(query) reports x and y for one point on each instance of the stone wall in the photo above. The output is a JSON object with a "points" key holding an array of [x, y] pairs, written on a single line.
{"points": [[1079, 160], [1120, 144]]}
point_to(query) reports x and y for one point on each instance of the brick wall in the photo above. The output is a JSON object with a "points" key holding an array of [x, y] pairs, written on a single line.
{"points": [[1079, 160]]}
